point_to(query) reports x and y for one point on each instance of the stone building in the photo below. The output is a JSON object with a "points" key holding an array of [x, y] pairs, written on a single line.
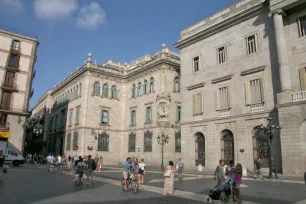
{"points": [[17, 59], [115, 110], [239, 67]]}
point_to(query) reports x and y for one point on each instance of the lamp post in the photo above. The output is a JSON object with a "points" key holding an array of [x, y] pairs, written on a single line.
{"points": [[38, 129], [268, 132], [162, 140]]}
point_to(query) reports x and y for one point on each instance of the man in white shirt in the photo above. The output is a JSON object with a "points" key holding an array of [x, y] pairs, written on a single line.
{"points": [[59, 159], [49, 160]]}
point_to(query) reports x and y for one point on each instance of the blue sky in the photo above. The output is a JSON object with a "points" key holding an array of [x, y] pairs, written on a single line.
{"points": [[110, 29]]}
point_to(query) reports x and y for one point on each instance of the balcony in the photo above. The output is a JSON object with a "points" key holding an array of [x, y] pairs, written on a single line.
{"points": [[10, 87], [299, 96], [257, 108], [32, 92], [15, 110], [225, 113], [34, 74]]}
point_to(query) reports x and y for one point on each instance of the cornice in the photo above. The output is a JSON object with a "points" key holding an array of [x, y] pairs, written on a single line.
{"points": [[221, 25], [225, 78], [253, 70], [285, 4], [196, 86]]}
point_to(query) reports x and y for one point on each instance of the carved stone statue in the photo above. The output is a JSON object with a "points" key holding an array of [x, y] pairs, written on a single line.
{"points": [[163, 112]]}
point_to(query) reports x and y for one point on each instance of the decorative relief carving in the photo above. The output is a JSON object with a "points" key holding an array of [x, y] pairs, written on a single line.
{"points": [[163, 104], [226, 125], [256, 122]]}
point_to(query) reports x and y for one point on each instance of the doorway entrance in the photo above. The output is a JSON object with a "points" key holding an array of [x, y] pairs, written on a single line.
{"points": [[200, 149], [227, 146]]}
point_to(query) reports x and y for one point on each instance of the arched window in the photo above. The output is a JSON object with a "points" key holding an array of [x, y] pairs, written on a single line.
{"points": [[139, 89], [114, 92], [77, 91], [103, 142], [105, 90], [145, 86], [178, 141], [132, 142], [151, 85], [176, 84], [97, 89], [68, 142], [75, 141], [134, 90], [80, 93], [148, 141]]}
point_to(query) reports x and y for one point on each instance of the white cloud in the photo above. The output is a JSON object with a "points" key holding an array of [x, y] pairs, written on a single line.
{"points": [[54, 9], [12, 5], [91, 16]]}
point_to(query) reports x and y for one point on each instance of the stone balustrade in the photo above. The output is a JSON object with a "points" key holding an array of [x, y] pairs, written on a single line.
{"points": [[299, 96], [225, 113], [257, 108]]}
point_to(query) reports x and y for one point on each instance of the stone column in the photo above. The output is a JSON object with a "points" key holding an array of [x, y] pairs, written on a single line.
{"points": [[282, 54]]}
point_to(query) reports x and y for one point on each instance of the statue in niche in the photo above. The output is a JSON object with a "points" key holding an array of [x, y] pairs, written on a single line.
{"points": [[163, 112]]}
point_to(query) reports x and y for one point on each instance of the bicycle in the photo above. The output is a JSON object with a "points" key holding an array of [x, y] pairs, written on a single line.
{"points": [[131, 182], [77, 181]]}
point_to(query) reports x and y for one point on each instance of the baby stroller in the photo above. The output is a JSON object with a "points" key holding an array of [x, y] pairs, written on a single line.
{"points": [[222, 193]]}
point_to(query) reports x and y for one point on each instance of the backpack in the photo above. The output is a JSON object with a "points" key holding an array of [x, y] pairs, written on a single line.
{"points": [[94, 165]]}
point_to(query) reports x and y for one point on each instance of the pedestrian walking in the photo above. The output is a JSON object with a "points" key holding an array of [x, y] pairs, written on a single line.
{"points": [[49, 161], [97, 159], [2, 158], [219, 173], [180, 166], [100, 162], [91, 166], [230, 172], [237, 183], [169, 179], [257, 168], [141, 171]]}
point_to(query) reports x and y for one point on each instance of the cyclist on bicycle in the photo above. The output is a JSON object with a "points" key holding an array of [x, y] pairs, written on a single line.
{"points": [[80, 170], [128, 167]]}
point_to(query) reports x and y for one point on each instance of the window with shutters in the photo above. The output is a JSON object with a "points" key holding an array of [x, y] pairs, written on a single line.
{"points": [[68, 142], [221, 55], [132, 142], [151, 85], [302, 73], [6, 100], [178, 113], [139, 89], [148, 114], [197, 104], [14, 61], [75, 141], [15, 45], [103, 142], [254, 91], [9, 79], [133, 117], [70, 117], [96, 89], [176, 84], [302, 26], [223, 99], [252, 44], [145, 86], [114, 92], [178, 141], [196, 64], [134, 90], [104, 117], [105, 90], [147, 141], [77, 115]]}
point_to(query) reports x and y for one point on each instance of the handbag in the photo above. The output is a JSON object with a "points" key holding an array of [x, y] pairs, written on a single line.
{"points": [[167, 173]]}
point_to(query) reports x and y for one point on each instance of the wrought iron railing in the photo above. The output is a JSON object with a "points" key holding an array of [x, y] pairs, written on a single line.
{"points": [[13, 30]]}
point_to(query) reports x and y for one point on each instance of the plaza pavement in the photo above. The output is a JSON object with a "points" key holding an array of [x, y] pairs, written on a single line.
{"points": [[30, 184]]}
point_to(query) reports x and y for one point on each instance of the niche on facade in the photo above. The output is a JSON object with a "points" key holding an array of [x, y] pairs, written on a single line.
{"points": [[163, 104]]}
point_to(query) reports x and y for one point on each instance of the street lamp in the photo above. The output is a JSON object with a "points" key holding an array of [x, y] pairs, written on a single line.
{"points": [[162, 141], [269, 131], [38, 129]]}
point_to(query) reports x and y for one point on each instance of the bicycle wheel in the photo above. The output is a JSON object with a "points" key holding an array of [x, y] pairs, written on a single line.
{"points": [[134, 186]]}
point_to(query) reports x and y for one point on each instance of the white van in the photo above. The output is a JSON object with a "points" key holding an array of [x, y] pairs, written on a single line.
{"points": [[13, 157]]}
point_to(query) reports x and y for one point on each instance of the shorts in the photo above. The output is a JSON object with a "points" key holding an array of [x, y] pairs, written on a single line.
{"points": [[140, 171], [125, 175], [236, 185], [89, 173], [79, 173]]}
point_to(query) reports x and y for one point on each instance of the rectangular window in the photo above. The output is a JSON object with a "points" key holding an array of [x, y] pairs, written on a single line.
{"points": [[133, 117], [149, 114], [3, 119], [223, 98], [252, 44], [178, 113], [6, 100], [55, 123], [9, 79], [196, 64], [222, 55], [197, 104], [15, 45], [104, 117], [254, 92], [70, 117], [302, 72], [77, 115], [302, 26], [14, 61]]}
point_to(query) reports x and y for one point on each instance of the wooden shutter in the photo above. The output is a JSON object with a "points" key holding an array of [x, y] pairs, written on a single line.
{"points": [[194, 104], [200, 105], [217, 98], [302, 72], [261, 90], [228, 97], [247, 92]]}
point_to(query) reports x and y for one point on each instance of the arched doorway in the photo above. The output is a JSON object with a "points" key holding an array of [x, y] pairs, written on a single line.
{"points": [[227, 146], [200, 149], [260, 148]]}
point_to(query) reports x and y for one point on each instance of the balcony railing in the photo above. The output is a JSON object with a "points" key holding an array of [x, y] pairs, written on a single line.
{"points": [[257, 108], [224, 113], [10, 86], [14, 109], [299, 96]]}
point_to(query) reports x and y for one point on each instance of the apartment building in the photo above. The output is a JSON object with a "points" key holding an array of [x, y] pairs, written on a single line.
{"points": [[17, 59], [116, 110], [239, 67]]}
